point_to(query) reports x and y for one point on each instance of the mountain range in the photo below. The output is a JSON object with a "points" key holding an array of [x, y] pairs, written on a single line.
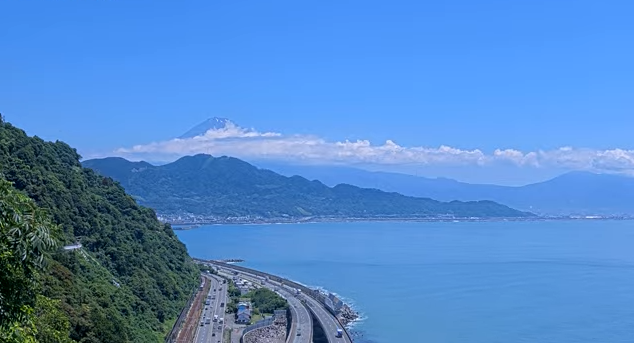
{"points": [[573, 193], [229, 187]]}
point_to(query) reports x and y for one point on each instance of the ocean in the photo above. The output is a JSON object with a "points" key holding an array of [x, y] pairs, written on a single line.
{"points": [[453, 282]]}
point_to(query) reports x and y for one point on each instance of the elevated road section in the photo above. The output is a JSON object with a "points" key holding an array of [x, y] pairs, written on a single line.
{"points": [[326, 319], [302, 326], [301, 330]]}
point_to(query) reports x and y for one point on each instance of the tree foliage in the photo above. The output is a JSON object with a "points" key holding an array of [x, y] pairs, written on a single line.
{"points": [[51, 322], [26, 239], [132, 275], [267, 301]]}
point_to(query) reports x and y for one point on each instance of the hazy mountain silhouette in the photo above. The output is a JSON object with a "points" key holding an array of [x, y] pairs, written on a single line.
{"points": [[581, 193]]}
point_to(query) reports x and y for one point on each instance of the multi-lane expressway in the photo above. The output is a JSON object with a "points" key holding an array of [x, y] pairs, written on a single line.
{"points": [[327, 321], [210, 331], [302, 324], [301, 330]]}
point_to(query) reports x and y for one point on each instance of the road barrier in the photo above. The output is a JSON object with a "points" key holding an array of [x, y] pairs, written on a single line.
{"points": [[259, 324], [173, 335]]}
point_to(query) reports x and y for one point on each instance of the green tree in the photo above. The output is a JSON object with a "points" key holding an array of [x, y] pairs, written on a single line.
{"points": [[52, 323], [25, 241], [266, 301]]}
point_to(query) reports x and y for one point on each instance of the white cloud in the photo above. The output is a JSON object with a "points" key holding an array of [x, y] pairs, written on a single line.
{"points": [[244, 143]]}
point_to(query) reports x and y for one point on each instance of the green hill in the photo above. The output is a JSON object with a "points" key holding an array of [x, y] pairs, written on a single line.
{"points": [[227, 186], [132, 276]]}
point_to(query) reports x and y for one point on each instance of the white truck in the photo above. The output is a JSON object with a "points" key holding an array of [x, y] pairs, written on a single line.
{"points": [[215, 318]]}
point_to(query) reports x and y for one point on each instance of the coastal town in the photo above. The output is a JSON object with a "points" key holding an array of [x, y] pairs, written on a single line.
{"points": [[185, 221]]}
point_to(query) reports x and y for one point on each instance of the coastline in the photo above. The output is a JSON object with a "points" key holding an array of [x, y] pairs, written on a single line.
{"points": [[195, 225], [348, 316], [342, 309], [345, 313]]}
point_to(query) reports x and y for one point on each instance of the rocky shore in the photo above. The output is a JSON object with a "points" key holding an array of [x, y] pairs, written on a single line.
{"points": [[346, 315]]}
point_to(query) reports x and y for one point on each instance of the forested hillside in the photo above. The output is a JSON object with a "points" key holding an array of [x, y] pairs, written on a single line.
{"points": [[132, 276], [226, 186]]}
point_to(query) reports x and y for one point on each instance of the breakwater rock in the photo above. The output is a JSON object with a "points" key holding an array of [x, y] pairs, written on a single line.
{"points": [[346, 315]]}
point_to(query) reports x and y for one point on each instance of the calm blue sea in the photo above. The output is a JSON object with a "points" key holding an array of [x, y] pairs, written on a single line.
{"points": [[504, 282]]}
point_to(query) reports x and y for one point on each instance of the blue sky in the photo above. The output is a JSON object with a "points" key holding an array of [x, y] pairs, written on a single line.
{"points": [[485, 75]]}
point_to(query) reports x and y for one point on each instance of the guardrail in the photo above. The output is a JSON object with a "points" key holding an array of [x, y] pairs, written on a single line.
{"points": [[259, 324], [173, 335], [310, 292]]}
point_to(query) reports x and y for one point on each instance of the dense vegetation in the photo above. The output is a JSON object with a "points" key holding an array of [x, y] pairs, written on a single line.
{"points": [[26, 239], [132, 275], [234, 297], [263, 300], [229, 187], [266, 301]]}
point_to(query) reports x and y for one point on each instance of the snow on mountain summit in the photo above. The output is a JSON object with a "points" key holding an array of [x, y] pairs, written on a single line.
{"points": [[214, 123]]}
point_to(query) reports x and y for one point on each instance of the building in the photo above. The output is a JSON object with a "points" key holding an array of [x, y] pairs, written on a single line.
{"points": [[243, 315], [243, 306], [244, 286]]}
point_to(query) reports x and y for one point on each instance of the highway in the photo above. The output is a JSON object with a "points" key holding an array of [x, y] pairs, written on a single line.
{"points": [[327, 321], [302, 322], [212, 332]]}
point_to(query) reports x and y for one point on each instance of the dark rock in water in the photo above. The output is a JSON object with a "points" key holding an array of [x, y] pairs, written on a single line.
{"points": [[347, 315]]}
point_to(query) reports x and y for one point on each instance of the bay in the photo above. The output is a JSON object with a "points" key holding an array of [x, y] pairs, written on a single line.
{"points": [[484, 282]]}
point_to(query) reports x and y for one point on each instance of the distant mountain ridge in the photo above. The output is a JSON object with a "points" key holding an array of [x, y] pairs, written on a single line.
{"points": [[574, 193], [227, 186]]}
